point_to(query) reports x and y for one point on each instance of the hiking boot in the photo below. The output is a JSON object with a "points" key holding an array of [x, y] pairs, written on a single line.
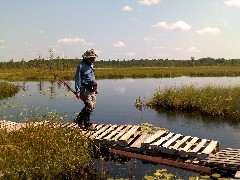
{"points": [[78, 121], [90, 127]]}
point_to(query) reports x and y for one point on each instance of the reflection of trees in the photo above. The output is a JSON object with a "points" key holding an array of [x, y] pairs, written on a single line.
{"points": [[23, 86], [193, 116], [52, 88], [59, 84], [40, 86]]}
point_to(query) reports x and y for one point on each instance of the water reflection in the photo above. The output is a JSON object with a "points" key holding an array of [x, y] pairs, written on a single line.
{"points": [[116, 105], [190, 116]]}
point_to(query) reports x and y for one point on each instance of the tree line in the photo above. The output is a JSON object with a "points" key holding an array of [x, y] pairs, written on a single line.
{"points": [[67, 64]]}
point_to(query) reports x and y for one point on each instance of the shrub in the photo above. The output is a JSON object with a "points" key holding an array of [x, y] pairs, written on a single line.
{"points": [[43, 152], [7, 90]]}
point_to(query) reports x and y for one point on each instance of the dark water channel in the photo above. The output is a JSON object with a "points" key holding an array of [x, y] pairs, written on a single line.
{"points": [[115, 105]]}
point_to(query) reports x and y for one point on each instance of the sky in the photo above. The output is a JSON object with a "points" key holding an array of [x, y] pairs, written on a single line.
{"points": [[120, 29]]}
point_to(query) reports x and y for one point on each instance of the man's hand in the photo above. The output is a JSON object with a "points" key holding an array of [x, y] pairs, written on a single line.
{"points": [[78, 95], [96, 91]]}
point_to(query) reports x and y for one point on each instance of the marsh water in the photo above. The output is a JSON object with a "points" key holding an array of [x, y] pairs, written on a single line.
{"points": [[116, 105]]}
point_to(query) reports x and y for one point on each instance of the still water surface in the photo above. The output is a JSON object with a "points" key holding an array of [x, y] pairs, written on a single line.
{"points": [[115, 105]]}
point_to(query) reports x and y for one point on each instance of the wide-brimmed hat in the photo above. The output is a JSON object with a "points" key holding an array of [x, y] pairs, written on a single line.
{"points": [[89, 53]]}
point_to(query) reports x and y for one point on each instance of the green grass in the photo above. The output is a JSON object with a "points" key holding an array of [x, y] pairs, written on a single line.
{"points": [[44, 152], [7, 90], [116, 73], [209, 100]]}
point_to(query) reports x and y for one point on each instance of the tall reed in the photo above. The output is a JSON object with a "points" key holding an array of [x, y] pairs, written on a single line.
{"points": [[209, 100]]}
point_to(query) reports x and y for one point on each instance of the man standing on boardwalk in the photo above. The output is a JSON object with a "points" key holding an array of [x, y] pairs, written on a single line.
{"points": [[86, 88]]}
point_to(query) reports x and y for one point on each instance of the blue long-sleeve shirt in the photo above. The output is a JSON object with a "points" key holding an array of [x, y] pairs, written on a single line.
{"points": [[84, 75]]}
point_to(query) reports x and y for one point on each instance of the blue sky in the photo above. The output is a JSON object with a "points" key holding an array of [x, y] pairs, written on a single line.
{"points": [[120, 29]]}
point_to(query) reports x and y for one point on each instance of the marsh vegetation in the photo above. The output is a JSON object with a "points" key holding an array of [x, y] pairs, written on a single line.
{"points": [[208, 100], [7, 90], [44, 151], [40, 69]]}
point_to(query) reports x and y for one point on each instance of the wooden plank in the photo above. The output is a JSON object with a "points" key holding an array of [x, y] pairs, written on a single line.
{"points": [[121, 133], [211, 147], [159, 160], [153, 137], [130, 133], [165, 147], [170, 141], [180, 142], [113, 133], [189, 144], [96, 133], [138, 143], [160, 141], [130, 141], [199, 146], [89, 133], [237, 175], [107, 132]]}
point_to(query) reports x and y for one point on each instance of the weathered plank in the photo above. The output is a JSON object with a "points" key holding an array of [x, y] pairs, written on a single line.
{"points": [[99, 131], [105, 133], [180, 143], [160, 160], [160, 141], [226, 159], [170, 141], [189, 144], [89, 133], [113, 133], [211, 147], [237, 175], [121, 133], [136, 146], [165, 147], [153, 138], [132, 132], [199, 146]]}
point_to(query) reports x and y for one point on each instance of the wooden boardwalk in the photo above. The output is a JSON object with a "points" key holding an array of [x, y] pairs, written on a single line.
{"points": [[164, 147]]}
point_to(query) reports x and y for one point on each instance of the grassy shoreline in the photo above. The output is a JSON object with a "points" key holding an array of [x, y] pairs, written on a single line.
{"points": [[118, 73], [210, 100], [7, 90], [44, 151]]}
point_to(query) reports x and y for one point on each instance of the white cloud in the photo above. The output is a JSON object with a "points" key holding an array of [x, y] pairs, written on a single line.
{"points": [[232, 3], [148, 39], [119, 44], [209, 31], [193, 49], [158, 47], [148, 2], [131, 54], [127, 8], [2, 41], [2, 47], [41, 32], [178, 49], [74, 40], [180, 25]]}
